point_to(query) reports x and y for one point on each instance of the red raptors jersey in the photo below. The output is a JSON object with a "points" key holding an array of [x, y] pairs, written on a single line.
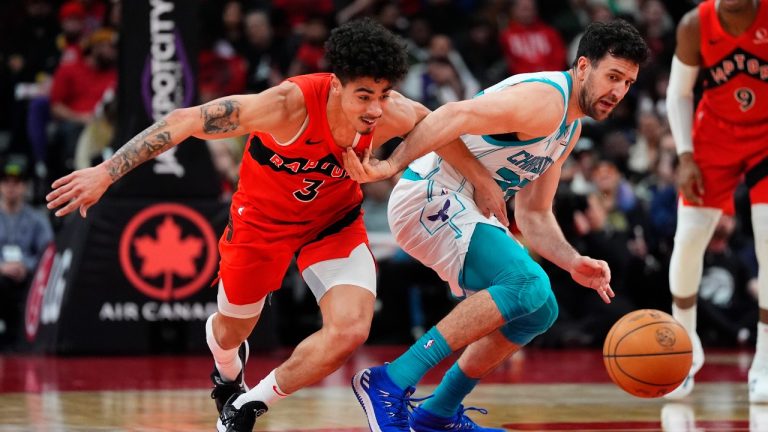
{"points": [[735, 67], [300, 184]]}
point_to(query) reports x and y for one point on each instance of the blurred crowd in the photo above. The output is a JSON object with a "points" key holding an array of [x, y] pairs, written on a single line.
{"points": [[617, 200]]}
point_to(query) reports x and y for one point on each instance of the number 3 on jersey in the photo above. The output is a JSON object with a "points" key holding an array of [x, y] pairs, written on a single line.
{"points": [[308, 192]]}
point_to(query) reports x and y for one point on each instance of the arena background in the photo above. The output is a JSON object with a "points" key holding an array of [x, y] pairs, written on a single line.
{"points": [[96, 285]]}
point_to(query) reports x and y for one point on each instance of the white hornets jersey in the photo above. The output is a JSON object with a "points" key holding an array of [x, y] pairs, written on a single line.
{"points": [[514, 163]]}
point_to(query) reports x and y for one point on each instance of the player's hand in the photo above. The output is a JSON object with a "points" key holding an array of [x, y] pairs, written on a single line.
{"points": [[689, 180], [369, 169], [490, 200], [593, 274], [78, 190]]}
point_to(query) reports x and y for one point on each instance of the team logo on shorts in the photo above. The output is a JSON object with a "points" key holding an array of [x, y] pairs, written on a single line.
{"points": [[441, 214], [168, 251]]}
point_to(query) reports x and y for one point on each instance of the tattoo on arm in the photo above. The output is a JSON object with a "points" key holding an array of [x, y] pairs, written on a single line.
{"points": [[221, 116], [144, 146]]}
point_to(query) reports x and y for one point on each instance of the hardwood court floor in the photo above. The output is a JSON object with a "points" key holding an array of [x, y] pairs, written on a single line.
{"points": [[537, 390]]}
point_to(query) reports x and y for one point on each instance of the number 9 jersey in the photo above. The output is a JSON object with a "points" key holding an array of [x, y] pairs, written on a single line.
{"points": [[735, 67], [731, 122]]}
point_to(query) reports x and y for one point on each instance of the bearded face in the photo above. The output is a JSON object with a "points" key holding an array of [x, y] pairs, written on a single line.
{"points": [[604, 84]]}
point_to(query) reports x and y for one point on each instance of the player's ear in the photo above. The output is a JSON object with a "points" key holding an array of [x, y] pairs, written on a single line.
{"points": [[335, 84], [581, 67]]}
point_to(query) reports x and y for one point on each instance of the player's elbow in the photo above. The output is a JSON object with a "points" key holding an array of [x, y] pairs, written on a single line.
{"points": [[184, 118]]}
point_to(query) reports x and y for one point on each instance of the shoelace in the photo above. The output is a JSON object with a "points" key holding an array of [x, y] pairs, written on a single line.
{"points": [[399, 410], [464, 422]]}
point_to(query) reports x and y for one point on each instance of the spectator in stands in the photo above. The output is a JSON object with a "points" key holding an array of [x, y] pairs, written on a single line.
{"points": [[310, 56], [644, 153], [418, 40], [479, 47], [298, 12], [658, 31], [617, 214], [77, 89], [94, 14], [24, 235], [598, 12], [443, 78], [266, 56], [30, 55], [529, 44], [221, 71], [72, 22]]}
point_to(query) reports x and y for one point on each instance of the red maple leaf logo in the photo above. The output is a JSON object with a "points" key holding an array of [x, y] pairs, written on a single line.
{"points": [[168, 254]]}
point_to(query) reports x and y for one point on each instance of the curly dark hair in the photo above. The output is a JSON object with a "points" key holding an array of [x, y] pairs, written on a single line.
{"points": [[364, 48], [617, 38]]}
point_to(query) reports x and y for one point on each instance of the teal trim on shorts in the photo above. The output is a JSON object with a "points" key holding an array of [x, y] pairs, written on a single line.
{"points": [[410, 174]]}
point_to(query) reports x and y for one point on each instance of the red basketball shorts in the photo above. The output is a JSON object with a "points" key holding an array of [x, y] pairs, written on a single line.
{"points": [[725, 152], [254, 260]]}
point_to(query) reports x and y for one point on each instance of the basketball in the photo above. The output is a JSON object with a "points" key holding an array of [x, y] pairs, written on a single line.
{"points": [[647, 353]]}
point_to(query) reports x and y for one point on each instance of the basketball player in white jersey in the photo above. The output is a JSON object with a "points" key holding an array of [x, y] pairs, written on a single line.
{"points": [[522, 130]]}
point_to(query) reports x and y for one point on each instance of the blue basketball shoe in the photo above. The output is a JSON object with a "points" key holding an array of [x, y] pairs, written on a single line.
{"points": [[386, 405], [424, 421]]}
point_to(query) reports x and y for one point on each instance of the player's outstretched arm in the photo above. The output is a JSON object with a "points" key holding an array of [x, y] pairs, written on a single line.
{"points": [[221, 118], [533, 109], [527, 108]]}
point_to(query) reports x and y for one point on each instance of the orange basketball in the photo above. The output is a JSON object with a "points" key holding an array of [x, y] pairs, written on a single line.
{"points": [[647, 353]]}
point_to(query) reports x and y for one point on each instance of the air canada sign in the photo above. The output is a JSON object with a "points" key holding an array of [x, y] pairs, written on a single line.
{"points": [[168, 253]]}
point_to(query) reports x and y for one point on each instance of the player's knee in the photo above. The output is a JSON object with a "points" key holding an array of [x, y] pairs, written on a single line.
{"points": [[517, 296], [524, 329], [231, 332], [695, 227], [347, 337]]}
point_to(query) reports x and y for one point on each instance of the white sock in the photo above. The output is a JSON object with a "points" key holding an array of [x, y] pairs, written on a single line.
{"points": [[761, 350], [686, 317], [266, 391], [227, 361]]}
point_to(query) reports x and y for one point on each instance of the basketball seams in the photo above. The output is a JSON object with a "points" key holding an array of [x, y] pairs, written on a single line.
{"points": [[648, 355], [632, 377]]}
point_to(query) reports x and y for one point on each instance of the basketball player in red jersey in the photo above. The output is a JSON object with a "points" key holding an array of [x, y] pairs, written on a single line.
{"points": [[720, 144], [293, 197]]}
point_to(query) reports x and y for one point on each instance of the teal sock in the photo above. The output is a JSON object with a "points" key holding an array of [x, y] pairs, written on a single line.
{"points": [[428, 351], [449, 394]]}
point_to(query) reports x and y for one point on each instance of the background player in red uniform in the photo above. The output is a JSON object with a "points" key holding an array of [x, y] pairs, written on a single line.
{"points": [[722, 143], [293, 198]]}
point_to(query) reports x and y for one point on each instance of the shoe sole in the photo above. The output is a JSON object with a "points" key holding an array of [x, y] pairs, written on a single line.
{"points": [[364, 400]]}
